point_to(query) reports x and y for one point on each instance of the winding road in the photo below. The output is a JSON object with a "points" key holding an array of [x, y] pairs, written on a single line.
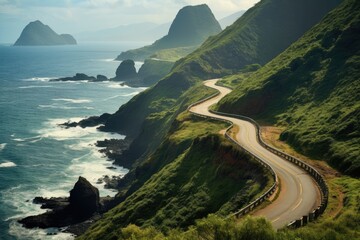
{"points": [[299, 193]]}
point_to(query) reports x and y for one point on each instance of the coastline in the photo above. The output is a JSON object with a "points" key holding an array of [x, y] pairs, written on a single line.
{"points": [[111, 149]]}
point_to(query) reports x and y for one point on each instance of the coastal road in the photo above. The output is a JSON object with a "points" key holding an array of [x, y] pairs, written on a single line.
{"points": [[299, 194]]}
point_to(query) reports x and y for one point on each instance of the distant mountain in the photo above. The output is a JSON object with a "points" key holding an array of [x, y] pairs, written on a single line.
{"points": [[312, 90], [259, 35], [191, 26], [36, 33], [227, 21], [225, 54], [145, 31]]}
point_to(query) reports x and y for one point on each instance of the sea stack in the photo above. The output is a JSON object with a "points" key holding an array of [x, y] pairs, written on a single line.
{"points": [[126, 71], [38, 34]]}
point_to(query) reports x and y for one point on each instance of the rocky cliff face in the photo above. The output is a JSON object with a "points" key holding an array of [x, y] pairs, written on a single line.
{"points": [[83, 203], [84, 197], [36, 33]]}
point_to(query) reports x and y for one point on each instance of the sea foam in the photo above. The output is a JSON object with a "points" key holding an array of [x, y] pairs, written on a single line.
{"points": [[35, 86], [72, 100], [2, 146], [40, 79], [7, 164]]}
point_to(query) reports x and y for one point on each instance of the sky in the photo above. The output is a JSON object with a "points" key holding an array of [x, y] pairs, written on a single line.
{"points": [[75, 16]]}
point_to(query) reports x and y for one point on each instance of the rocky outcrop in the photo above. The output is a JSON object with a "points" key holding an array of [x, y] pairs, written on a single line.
{"points": [[83, 203], [36, 33], [126, 71], [149, 73], [81, 77], [92, 121], [84, 198]]}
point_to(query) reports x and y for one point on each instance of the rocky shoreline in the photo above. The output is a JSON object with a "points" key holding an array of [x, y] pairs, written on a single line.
{"points": [[81, 77], [84, 206]]}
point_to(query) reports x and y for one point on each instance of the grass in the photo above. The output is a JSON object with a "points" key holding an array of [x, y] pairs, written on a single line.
{"points": [[175, 178], [342, 215], [232, 81], [154, 70], [173, 54], [312, 90], [342, 226], [185, 171], [256, 37]]}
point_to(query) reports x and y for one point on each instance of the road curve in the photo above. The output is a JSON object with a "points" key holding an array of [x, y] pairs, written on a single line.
{"points": [[299, 194]]}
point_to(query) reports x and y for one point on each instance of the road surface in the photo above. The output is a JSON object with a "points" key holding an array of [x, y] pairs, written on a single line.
{"points": [[299, 194]]}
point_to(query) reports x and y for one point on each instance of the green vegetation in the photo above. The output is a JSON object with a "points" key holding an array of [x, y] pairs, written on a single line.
{"points": [[182, 171], [191, 26], [173, 54], [262, 33], [313, 89], [234, 80], [184, 181], [154, 70], [344, 225]]}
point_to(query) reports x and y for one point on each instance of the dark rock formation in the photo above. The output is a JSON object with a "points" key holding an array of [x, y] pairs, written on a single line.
{"points": [[88, 122], [81, 77], [51, 203], [114, 148], [83, 203], [101, 78], [84, 198], [36, 33], [126, 71]]}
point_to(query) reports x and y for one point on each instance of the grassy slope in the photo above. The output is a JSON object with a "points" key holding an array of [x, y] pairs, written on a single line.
{"points": [[154, 70], [183, 170], [263, 32], [313, 89], [344, 226], [181, 86], [173, 54], [148, 118]]}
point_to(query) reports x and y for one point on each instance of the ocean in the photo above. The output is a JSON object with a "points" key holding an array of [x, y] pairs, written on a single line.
{"points": [[37, 156]]}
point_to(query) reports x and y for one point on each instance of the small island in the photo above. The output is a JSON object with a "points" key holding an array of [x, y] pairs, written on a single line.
{"points": [[38, 34]]}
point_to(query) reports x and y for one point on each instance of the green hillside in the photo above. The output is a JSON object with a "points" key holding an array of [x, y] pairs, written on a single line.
{"points": [[191, 26], [313, 89], [153, 70], [184, 181], [175, 176], [343, 226], [147, 117], [262, 33]]}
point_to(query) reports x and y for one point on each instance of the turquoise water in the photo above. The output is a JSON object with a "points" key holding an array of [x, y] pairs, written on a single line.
{"points": [[37, 157]]}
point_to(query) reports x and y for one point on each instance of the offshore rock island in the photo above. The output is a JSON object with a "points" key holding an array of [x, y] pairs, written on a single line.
{"points": [[38, 34]]}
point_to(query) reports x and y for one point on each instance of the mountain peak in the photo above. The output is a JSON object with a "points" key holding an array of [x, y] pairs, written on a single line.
{"points": [[36, 22], [37, 33], [191, 27]]}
